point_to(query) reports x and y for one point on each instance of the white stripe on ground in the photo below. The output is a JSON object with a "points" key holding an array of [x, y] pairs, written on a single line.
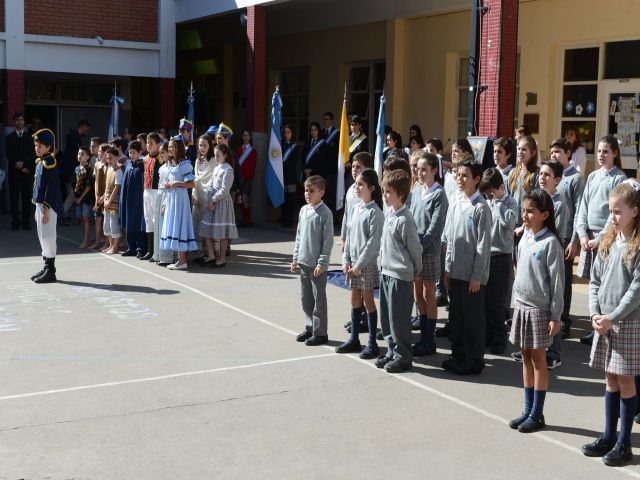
{"points": [[403, 378], [59, 260], [163, 377]]}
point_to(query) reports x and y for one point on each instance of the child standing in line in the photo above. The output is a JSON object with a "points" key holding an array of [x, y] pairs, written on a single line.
{"points": [[572, 187], [82, 183], [162, 257], [434, 146], [468, 235], [504, 215], [311, 254], [218, 221], [593, 214], [205, 164], [401, 263], [360, 260], [177, 231], [502, 152], [429, 209], [131, 203], [113, 184], [524, 177], [151, 204], [100, 175], [614, 304], [538, 296]]}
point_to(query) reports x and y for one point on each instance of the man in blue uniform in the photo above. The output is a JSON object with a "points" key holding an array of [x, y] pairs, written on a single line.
{"points": [[48, 201]]}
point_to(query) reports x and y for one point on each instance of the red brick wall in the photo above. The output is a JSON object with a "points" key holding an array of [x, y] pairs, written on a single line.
{"points": [[15, 94], [134, 20], [497, 52], [256, 54], [2, 29]]}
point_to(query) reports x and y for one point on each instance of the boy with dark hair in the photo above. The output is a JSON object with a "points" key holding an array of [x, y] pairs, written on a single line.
{"points": [[142, 138], [131, 204], [48, 201], [311, 255], [82, 183], [467, 271], [152, 164]]}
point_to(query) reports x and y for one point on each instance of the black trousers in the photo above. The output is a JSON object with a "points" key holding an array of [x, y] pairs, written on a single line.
{"points": [[568, 288], [496, 298], [20, 193], [468, 324]]}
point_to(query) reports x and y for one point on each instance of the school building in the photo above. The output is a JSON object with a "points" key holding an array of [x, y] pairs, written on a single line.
{"points": [[549, 64]]}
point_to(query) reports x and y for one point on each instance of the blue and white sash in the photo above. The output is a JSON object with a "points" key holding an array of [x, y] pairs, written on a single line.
{"points": [[313, 151], [245, 154], [357, 142], [287, 154], [332, 136]]}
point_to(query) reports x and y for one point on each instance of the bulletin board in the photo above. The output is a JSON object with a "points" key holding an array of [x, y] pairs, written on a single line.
{"points": [[624, 121]]}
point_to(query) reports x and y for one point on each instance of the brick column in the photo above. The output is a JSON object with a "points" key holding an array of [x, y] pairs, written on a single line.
{"points": [[256, 64], [497, 54], [15, 94], [168, 103]]}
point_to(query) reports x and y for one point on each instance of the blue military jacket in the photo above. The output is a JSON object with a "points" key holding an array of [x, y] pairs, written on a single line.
{"points": [[46, 184]]}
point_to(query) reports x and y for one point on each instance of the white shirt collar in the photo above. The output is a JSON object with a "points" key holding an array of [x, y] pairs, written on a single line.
{"points": [[396, 212], [315, 207], [429, 190], [537, 235]]}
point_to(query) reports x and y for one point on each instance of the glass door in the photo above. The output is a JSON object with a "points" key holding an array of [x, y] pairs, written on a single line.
{"points": [[619, 115]]}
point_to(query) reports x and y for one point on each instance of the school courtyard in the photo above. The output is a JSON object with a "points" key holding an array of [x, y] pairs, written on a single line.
{"points": [[125, 370]]}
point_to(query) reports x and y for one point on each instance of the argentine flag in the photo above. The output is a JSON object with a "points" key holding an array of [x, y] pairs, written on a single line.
{"points": [[114, 121], [275, 177], [377, 162]]}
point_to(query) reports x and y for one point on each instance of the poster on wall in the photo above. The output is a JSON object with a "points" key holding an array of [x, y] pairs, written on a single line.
{"points": [[624, 123]]}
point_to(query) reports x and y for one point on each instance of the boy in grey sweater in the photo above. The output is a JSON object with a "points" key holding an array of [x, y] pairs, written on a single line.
{"points": [[311, 254], [468, 236], [401, 263]]}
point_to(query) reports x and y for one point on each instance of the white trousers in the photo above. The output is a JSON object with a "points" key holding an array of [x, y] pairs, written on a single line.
{"points": [[47, 232], [110, 226], [149, 205]]}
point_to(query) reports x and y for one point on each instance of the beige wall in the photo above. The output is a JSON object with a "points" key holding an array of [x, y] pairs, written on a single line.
{"points": [[327, 54]]}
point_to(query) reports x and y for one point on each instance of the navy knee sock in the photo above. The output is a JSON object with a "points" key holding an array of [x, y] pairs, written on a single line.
{"points": [[627, 412], [372, 321], [424, 326], [637, 380], [355, 324], [528, 400], [538, 403], [611, 414]]}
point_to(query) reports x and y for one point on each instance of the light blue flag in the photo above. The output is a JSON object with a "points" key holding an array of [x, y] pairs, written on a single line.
{"points": [[274, 176], [114, 121], [190, 106], [377, 163]]}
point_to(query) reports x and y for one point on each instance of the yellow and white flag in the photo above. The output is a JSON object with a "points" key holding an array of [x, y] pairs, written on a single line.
{"points": [[343, 155]]}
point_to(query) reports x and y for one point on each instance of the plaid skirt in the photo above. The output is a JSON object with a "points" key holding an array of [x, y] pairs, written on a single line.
{"points": [[430, 268], [530, 327], [587, 258], [369, 278], [618, 351]]}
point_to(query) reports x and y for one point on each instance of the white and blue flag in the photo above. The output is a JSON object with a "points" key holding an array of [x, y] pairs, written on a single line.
{"points": [[380, 139], [274, 176], [114, 121]]}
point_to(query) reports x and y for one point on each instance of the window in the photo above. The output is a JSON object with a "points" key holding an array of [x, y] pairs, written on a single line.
{"points": [[294, 91], [364, 89], [65, 92], [463, 93], [580, 93], [621, 59]]}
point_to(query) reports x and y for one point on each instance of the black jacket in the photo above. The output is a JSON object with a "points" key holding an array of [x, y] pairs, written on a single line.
{"points": [[20, 149]]}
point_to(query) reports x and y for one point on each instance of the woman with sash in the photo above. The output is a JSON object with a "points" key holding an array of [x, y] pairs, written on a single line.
{"points": [[358, 142], [246, 169], [290, 161], [314, 154]]}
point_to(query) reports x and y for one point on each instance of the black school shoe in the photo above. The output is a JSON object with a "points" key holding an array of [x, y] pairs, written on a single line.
{"points": [[128, 253], [370, 351], [396, 366], [599, 448], [301, 337], [587, 339], [349, 347], [531, 424], [314, 340], [443, 331], [422, 350], [619, 455], [516, 422], [382, 360]]}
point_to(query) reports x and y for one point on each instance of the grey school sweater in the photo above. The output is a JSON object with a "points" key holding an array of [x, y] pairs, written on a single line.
{"points": [[539, 278], [429, 209], [362, 244], [468, 236], [350, 201], [572, 187], [400, 252], [314, 236], [561, 214], [594, 208], [614, 289], [504, 215]]}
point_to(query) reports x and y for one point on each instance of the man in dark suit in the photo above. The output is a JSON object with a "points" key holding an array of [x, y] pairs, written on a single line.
{"points": [[21, 166]]}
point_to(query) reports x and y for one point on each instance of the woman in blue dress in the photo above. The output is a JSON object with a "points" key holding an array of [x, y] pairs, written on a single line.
{"points": [[177, 230]]}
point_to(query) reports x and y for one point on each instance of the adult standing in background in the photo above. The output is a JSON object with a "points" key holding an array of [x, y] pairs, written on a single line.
{"points": [[331, 136], [21, 166], [358, 142], [72, 144], [290, 163], [578, 152]]}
